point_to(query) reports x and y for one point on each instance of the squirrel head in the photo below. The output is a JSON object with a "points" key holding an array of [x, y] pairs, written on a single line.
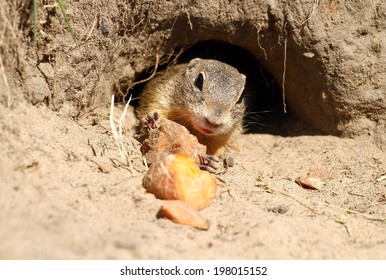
{"points": [[213, 96]]}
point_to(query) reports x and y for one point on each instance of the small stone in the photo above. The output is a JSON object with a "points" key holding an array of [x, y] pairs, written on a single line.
{"points": [[104, 164]]}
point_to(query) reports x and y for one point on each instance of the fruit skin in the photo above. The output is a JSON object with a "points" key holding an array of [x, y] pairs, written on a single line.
{"points": [[181, 212], [178, 177], [169, 137]]}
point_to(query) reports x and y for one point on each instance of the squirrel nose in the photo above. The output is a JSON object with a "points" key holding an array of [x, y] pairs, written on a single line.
{"points": [[213, 123]]}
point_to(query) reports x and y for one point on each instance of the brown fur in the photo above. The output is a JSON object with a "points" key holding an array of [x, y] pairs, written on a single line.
{"points": [[174, 94]]}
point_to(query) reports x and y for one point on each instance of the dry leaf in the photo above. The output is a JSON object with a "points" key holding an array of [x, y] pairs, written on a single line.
{"points": [[312, 181]]}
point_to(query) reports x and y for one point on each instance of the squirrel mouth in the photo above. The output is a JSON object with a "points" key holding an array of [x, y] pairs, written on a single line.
{"points": [[205, 131], [206, 127], [202, 129]]}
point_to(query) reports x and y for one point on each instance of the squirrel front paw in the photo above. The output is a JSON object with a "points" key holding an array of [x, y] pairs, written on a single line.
{"points": [[151, 121], [215, 164]]}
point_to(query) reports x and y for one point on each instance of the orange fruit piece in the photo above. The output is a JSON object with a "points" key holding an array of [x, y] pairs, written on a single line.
{"points": [[181, 212], [170, 138], [178, 177]]}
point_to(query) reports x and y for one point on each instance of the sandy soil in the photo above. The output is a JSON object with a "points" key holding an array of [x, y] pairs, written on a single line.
{"points": [[65, 193], [57, 203]]}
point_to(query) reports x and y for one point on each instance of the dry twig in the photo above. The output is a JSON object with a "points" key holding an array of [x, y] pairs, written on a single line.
{"points": [[268, 188], [148, 78]]}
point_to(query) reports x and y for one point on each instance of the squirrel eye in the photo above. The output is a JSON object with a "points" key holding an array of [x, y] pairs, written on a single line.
{"points": [[199, 81]]}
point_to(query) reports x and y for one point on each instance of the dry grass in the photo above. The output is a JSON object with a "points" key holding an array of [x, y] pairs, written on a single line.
{"points": [[118, 135], [5, 80], [310, 13], [5, 31]]}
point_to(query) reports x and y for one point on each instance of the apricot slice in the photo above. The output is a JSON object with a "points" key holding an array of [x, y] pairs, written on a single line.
{"points": [[178, 177], [181, 212], [169, 137]]}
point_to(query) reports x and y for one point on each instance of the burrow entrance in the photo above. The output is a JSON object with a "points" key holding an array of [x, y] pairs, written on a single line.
{"points": [[262, 92]]}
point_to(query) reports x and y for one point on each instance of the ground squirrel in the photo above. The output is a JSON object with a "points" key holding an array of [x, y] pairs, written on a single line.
{"points": [[203, 95]]}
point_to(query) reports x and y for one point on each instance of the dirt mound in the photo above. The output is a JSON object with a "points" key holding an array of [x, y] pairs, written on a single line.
{"points": [[66, 193], [326, 57]]}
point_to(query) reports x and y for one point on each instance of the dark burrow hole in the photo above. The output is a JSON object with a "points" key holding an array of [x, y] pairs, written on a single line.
{"points": [[262, 92]]}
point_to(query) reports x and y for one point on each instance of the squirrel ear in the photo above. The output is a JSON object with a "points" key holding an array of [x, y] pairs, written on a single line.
{"points": [[192, 64], [195, 61], [243, 78]]}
